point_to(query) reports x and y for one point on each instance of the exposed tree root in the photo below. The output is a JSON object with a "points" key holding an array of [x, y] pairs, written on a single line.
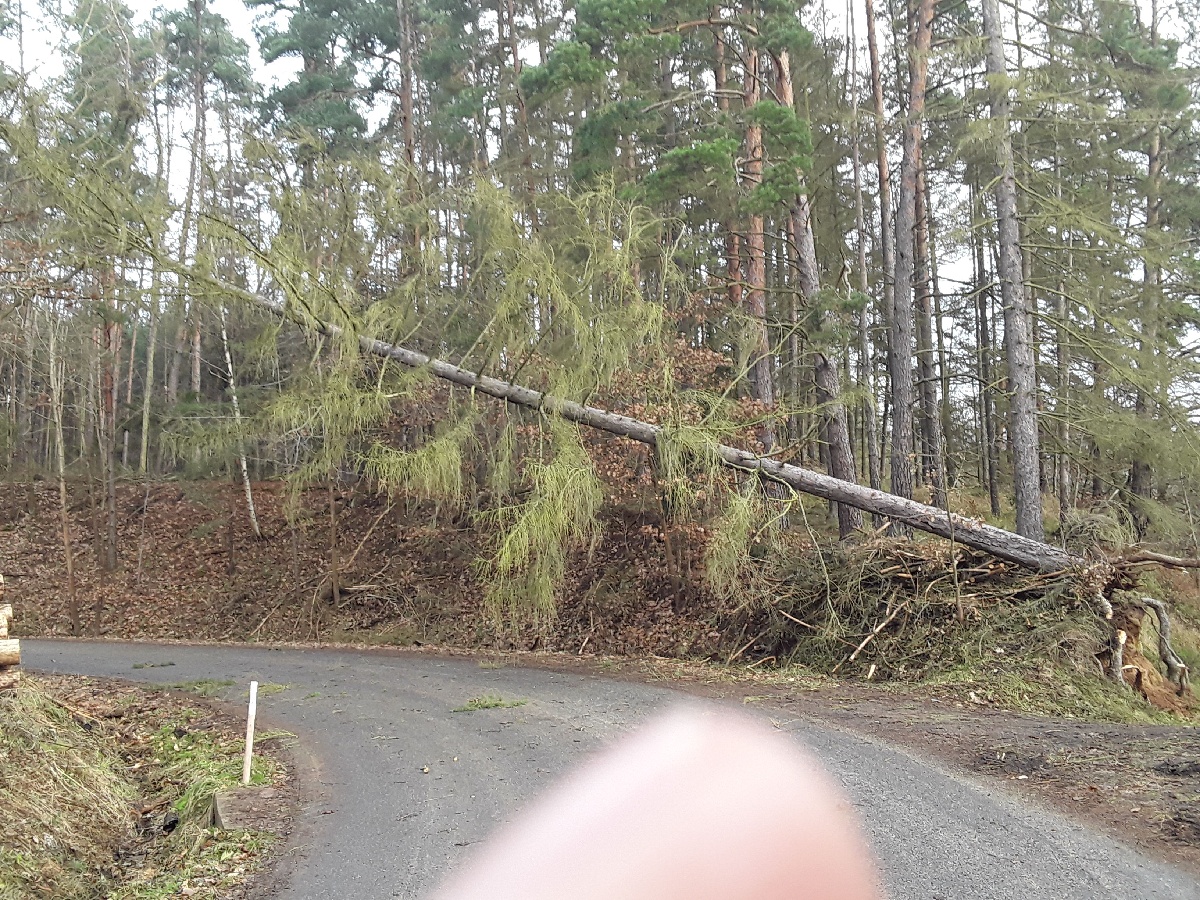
{"points": [[1177, 669], [1117, 666]]}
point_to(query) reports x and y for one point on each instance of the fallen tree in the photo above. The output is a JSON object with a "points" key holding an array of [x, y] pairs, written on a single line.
{"points": [[1098, 577], [972, 532]]}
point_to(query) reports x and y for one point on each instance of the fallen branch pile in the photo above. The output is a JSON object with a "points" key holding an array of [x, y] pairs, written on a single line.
{"points": [[899, 608]]}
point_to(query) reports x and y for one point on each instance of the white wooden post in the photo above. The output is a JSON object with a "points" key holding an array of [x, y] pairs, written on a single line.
{"points": [[250, 733]]}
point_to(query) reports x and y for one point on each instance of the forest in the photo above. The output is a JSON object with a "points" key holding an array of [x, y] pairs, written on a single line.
{"points": [[757, 292]]}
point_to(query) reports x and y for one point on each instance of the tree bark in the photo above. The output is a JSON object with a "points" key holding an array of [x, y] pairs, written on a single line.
{"points": [[900, 350], [987, 409], [1018, 327], [840, 455], [933, 462], [1141, 474], [56, 405], [733, 265], [865, 366], [237, 417], [762, 384], [148, 386]]}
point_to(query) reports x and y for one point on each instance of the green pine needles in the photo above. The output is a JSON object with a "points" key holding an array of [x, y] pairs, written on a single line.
{"points": [[535, 537]]}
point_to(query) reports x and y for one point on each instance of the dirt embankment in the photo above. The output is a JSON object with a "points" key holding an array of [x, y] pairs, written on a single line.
{"points": [[191, 567]]}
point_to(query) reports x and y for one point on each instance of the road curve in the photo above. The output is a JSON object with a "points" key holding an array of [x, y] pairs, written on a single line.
{"points": [[381, 827]]}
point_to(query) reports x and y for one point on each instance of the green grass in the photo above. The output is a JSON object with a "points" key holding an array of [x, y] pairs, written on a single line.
{"points": [[66, 799], [204, 687], [268, 688], [194, 766], [201, 764], [69, 807], [1053, 690], [488, 701]]}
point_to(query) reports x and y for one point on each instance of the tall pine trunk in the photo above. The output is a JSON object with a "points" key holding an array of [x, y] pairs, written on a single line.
{"points": [[840, 454], [900, 350], [57, 378], [759, 367], [866, 378], [932, 454], [887, 251], [1018, 324]]}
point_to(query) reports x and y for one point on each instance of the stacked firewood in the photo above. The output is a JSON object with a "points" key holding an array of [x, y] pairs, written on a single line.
{"points": [[10, 648]]}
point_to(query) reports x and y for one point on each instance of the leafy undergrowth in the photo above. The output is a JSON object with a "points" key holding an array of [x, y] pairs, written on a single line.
{"points": [[108, 793]]}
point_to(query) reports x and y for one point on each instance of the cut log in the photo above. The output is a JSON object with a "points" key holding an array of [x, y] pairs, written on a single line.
{"points": [[972, 532], [10, 652], [9, 681], [6, 618]]}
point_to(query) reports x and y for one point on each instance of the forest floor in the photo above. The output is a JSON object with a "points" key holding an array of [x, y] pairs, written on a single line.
{"points": [[191, 569], [109, 792]]}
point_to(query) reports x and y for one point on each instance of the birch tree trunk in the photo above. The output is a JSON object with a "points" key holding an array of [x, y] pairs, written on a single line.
{"points": [[237, 418]]}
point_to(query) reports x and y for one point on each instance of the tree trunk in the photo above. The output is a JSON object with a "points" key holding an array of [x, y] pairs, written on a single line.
{"points": [[932, 455], [762, 385], [335, 587], [57, 377], [887, 248], [1141, 474], [840, 454], [237, 418], [866, 379], [900, 350], [733, 265], [987, 411], [1018, 327], [948, 457], [148, 387], [194, 382], [133, 333]]}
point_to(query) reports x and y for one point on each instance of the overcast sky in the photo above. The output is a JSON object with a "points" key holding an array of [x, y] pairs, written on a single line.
{"points": [[43, 61]]}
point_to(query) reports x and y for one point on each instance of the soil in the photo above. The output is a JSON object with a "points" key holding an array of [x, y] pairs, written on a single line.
{"points": [[1139, 783], [189, 564]]}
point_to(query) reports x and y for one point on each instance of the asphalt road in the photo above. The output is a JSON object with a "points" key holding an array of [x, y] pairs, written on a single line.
{"points": [[381, 827]]}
